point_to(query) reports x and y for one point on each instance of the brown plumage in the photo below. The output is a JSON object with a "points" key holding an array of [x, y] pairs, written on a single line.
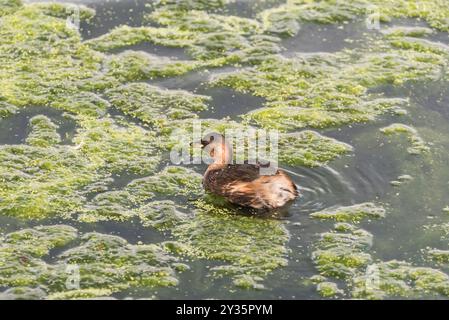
{"points": [[242, 184]]}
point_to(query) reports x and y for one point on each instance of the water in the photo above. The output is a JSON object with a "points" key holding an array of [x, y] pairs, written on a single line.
{"points": [[364, 175]]}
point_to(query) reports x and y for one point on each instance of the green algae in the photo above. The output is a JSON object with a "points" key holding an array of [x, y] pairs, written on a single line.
{"points": [[322, 90], [162, 215], [344, 254], [23, 293], [117, 147], [107, 206], [62, 10], [401, 279], [126, 36], [193, 4], [39, 240], [286, 18], [7, 109], [309, 148], [172, 181], [300, 94], [253, 247], [45, 178], [43, 58], [139, 65], [418, 145], [9, 6], [407, 31], [133, 200], [441, 256], [328, 289], [107, 261], [154, 105], [213, 39], [43, 132], [80, 294], [217, 36], [106, 264], [353, 213], [248, 282], [37, 182], [82, 103], [341, 255]]}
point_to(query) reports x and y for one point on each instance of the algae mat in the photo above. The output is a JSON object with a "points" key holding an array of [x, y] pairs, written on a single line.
{"points": [[89, 114]]}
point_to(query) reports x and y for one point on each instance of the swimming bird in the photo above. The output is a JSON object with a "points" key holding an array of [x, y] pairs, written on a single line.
{"points": [[242, 184]]}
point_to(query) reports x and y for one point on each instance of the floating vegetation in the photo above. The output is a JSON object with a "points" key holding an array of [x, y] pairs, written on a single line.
{"points": [[117, 147], [286, 19], [7, 109], [309, 148], [162, 215], [9, 6], [328, 289], [418, 145], [105, 264], [132, 200], [253, 247], [353, 213], [330, 90], [154, 105], [407, 31], [341, 255], [394, 279], [344, 254], [139, 65], [441, 256], [43, 132], [107, 167]]}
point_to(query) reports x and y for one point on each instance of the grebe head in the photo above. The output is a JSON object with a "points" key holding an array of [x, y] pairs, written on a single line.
{"points": [[217, 147]]}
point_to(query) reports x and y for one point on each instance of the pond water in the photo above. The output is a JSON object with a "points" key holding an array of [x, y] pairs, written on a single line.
{"points": [[414, 208]]}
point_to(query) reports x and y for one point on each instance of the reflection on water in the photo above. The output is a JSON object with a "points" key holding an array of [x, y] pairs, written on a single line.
{"points": [[363, 176]]}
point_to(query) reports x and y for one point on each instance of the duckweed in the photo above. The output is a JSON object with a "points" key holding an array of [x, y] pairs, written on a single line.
{"points": [[162, 215], [213, 39], [7, 109], [125, 36], [328, 289], [117, 147], [38, 182], [46, 63], [253, 247], [23, 293], [344, 254], [139, 65], [309, 148], [106, 264], [154, 105], [286, 19], [9, 6], [322, 90], [400, 279], [441, 256], [43, 132], [44, 59], [418, 146], [353, 213]]}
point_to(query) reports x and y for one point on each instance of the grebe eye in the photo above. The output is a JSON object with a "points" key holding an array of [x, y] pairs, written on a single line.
{"points": [[212, 138]]}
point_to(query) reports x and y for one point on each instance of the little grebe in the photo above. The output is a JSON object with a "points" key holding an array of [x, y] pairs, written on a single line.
{"points": [[242, 184]]}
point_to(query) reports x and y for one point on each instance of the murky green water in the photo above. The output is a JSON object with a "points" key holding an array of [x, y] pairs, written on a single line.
{"points": [[414, 223]]}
